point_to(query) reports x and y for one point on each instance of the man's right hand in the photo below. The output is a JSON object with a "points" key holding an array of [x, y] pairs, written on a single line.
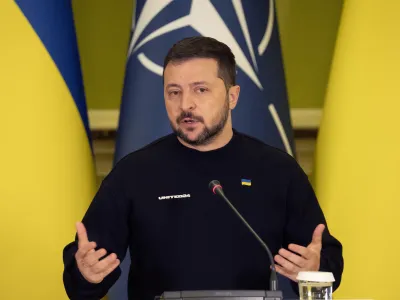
{"points": [[88, 260]]}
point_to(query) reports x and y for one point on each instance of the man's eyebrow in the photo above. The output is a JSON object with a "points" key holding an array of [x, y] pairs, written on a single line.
{"points": [[169, 85], [196, 83], [199, 83]]}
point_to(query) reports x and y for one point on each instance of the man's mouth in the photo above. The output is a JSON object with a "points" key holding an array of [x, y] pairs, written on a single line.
{"points": [[189, 121]]}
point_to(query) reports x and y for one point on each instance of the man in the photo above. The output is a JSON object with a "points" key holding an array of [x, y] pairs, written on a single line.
{"points": [[156, 200]]}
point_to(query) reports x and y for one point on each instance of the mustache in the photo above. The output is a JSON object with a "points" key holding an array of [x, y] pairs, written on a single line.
{"points": [[187, 114]]}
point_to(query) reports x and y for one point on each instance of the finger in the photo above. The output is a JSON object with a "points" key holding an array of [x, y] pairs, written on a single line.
{"points": [[293, 258], [286, 264], [85, 249], [111, 268], [92, 258], [104, 264], [303, 251], [285, 273], [317, 235], [82, 234]]}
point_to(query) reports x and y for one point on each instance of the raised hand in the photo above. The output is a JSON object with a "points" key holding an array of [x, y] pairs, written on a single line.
{"points": [[88, 260], [289, 263]]}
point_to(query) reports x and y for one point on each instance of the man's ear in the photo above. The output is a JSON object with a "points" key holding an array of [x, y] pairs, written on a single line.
{"points": [[233, 94]]}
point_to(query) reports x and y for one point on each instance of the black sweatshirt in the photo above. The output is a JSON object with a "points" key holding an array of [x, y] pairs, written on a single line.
{"points": [[193, 240]]}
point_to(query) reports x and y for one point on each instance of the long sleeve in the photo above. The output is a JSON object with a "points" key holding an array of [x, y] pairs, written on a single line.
{"points": [[303, 215], [107, 223]]}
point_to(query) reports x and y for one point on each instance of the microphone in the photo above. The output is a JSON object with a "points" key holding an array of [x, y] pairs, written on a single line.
{"points": [[216, 188]]}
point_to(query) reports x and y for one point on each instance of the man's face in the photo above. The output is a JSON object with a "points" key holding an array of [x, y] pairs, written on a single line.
{"points": [[196, 100]]}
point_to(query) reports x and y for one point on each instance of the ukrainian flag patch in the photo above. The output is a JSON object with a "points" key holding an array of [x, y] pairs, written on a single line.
{"points": [[246, 182]]}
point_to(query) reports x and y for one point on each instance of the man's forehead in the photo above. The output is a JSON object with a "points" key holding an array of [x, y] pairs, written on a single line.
{"points": [[196, 70], [198, 64]]}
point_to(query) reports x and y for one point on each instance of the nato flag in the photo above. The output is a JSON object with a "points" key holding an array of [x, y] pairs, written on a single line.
{"points": [[250, 29]]}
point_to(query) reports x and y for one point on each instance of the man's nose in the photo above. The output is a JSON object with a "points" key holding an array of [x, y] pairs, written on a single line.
{"points": [[187, 102]]}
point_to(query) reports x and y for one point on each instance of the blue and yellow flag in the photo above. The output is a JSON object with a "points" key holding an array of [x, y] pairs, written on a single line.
{"points": [[47, 176], [246, 182]]}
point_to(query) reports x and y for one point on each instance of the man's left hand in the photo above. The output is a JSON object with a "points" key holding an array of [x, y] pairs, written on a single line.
{"points": [[289, 264]]}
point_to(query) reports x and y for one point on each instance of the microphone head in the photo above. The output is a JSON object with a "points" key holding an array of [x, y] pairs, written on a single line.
{"points": [[213, 185]]}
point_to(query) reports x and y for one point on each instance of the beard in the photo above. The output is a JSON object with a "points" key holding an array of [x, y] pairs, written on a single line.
{"points": [[208, 134]]}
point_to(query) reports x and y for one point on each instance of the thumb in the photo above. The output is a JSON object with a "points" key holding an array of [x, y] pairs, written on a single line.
{"points": [[317, 235]]}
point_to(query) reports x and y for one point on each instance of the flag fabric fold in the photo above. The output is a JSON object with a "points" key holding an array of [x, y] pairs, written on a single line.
{"points": [[48, 177], [358, 163]]}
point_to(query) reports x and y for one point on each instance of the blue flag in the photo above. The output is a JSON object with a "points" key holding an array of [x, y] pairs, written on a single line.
{"points": [[249, 28]]}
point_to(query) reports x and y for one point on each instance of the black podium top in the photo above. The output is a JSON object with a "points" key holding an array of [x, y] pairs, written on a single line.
{"points": [[222, 295]]}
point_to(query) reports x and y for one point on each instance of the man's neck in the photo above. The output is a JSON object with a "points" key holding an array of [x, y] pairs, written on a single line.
{"points": [[218, 141]]}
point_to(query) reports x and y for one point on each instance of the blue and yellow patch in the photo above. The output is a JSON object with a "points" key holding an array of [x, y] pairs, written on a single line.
{"points": [[246, 182]]}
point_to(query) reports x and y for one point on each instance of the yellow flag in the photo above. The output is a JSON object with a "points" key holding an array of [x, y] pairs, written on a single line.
{"points": [[357, 174], [47, 177]]}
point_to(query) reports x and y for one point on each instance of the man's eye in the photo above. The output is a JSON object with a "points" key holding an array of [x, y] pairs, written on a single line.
{"points": [[173, 93], [202, 90]]}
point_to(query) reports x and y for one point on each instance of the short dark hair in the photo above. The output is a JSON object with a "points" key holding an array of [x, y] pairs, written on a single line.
{"points": [[205, 47]]}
